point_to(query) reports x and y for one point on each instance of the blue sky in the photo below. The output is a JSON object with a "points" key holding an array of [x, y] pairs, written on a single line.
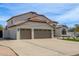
{"points": [[63, 13]]}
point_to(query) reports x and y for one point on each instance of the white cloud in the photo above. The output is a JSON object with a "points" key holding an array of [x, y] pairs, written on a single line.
{"points": [[71, 17]]}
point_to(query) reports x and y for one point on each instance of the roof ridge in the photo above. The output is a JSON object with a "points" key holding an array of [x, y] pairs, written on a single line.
{"points": [[23, 14]]}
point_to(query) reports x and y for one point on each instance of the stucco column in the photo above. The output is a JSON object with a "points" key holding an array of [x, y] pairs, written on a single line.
{"points": [[32, 33], [18, 34], [52, 33]]}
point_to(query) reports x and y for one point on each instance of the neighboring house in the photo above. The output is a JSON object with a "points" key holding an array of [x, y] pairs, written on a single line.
{"points": [[32, 26], [77, 34], [73, 34], [61, 30]]}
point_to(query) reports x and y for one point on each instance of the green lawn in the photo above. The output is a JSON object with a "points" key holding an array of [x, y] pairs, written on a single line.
{"points": [[72, 39]]}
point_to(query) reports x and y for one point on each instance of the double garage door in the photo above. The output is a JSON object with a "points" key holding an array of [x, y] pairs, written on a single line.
{"points": [[38, 33]]}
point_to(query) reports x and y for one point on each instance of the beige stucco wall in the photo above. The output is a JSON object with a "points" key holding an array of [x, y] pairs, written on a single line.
{"points": [[24, 17], [5, 34], [10, 33], [36, 25], [20, 19], [59, 31], [14, 33]]}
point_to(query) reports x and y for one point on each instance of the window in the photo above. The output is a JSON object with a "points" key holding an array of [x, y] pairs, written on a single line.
{"points": [[63, 31]]}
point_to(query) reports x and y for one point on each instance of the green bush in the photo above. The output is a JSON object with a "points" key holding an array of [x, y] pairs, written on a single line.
{"points": [[72, 39], [1, 27]]}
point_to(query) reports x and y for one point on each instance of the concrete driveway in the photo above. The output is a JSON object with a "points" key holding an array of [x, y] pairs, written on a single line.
{"points": [[42, 47]]}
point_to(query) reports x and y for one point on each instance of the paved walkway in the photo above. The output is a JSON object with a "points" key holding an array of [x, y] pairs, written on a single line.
{"points": [[41, 47]]}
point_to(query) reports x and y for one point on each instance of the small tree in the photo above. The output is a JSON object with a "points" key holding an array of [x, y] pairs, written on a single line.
{"points": [[1, 27], [71, 29], [77, 28]]}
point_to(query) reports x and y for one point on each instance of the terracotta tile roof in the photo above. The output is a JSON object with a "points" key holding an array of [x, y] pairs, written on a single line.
{"points": [[25, 22], [21, 15], [60, 26], [48, 21]]}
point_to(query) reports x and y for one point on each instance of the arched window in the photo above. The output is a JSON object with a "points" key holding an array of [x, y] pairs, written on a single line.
{"points": [[63, 31]]}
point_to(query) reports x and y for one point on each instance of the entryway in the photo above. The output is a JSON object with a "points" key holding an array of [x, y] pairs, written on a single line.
{"points": [[1, 34]]}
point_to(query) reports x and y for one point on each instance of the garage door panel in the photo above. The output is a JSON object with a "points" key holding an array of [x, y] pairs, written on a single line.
{"points": [[42, 33], [25, 33]]}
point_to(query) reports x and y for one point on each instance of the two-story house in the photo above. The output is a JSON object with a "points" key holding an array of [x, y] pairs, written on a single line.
{"points": [[31, 25]]}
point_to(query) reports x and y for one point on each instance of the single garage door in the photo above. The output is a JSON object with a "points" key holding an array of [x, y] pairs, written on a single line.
{"points": [[42, 33], [25, 33]]}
